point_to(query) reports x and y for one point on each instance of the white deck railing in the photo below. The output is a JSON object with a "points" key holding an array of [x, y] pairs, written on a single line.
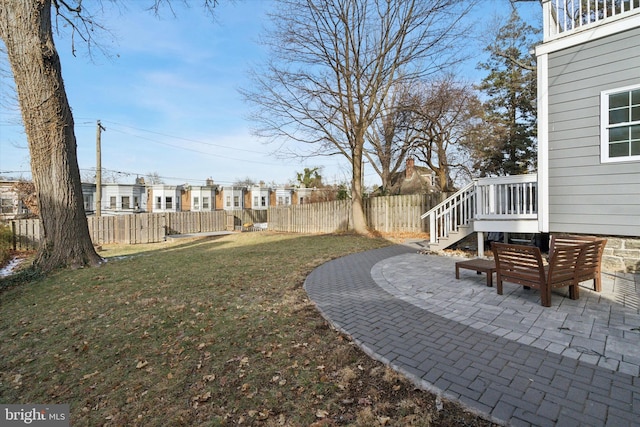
{"points": [[501, 198], [564, 16], [507, 197]]}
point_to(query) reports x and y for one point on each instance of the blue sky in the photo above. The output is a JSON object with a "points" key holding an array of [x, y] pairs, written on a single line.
{"points": [[167, 94]]}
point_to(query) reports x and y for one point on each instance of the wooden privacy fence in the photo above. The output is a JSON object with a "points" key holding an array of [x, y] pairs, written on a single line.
{"points": [[26, 234], [142, 228], [324, 217], [129, 229], [400, 213], [384, 214]]}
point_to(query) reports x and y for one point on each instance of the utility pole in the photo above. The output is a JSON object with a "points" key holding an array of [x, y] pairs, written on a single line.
{"points": [[99, 130]]}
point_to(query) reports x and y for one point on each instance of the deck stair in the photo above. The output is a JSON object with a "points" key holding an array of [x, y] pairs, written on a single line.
{"points": [[451, 220], [453, 237], [501, 204]]}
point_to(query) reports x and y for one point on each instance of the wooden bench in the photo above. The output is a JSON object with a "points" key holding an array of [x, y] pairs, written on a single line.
{"points": [[524, 265], [591, 266]]}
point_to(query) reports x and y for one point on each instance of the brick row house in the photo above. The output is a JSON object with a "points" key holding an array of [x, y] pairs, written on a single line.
{"points": [[122, 199], [135, 198]]}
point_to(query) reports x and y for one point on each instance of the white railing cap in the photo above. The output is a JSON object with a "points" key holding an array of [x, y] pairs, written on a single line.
{"points": [[511, 179]]}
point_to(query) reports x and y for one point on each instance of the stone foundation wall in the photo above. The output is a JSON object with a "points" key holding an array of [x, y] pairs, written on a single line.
{"points": [[622, 254]]}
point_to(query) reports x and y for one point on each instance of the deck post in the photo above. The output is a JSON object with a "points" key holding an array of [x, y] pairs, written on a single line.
{"points": [[480, 244]]}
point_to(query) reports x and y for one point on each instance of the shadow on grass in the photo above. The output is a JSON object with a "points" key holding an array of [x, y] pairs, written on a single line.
{"points": [[254, 245], [167, 246]]}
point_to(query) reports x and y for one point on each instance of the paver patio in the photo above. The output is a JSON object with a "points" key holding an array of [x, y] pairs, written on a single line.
{"points": [[504, 356]]}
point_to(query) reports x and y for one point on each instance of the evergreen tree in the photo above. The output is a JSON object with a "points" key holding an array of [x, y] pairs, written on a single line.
{"points": [[309, 178], [511, 105]]}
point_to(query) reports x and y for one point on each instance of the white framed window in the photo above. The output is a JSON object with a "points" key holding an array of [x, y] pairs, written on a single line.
{"points": [[158, 202], [255, 201], [125, 202], [236, 201], [112, 202], [228, 201], [196, 203], [88, 203], [620, 124], [168, 202], [205, 203], [6, 206]]}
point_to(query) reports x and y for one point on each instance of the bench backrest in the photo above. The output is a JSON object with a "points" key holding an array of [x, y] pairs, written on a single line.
{"points": [[523, 264], [519, 264], [590, 266], [590, 262], [564, 264], [569, 240]]}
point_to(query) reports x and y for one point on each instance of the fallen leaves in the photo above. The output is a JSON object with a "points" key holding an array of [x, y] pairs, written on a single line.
{"points": [[17, 379], [87, 376], [321, 413], [208, 378], [276, 379], [200, 398]]}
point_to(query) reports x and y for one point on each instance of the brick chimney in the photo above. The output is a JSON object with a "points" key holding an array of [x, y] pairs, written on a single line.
{"points": [[410, 168]]}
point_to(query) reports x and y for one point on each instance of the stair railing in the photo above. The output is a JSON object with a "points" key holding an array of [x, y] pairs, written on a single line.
{"points": [[456, 211]]}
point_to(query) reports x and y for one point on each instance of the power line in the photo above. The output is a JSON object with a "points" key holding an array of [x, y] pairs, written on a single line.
{"points": [[216, 155], [124, 173], [211, 144]]}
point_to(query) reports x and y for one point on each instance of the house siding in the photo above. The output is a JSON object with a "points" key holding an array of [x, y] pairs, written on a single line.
{"points": [[585, 195]]}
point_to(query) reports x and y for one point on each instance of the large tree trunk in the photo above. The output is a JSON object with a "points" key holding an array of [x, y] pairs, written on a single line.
{"points": [[359, 220], [25, 28]]}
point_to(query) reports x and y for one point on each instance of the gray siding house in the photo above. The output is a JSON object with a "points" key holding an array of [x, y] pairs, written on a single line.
{"points": [[589, 128], [589, 122]]}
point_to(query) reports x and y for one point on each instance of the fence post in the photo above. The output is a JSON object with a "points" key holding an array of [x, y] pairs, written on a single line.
{"points": [[13, 235]]}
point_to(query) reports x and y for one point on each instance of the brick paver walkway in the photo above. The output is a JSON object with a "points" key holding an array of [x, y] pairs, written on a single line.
{"points": [[506, 373]]}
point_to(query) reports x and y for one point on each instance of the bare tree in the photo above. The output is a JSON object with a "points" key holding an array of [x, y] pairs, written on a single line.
{"points": [[26, 192], [447, 114], [333, 65], [389, 138], [244, 182], [26, 30], [153, 178]]}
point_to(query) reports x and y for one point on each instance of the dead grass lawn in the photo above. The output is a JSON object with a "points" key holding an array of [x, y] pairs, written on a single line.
{"points": [[214, 331]]}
